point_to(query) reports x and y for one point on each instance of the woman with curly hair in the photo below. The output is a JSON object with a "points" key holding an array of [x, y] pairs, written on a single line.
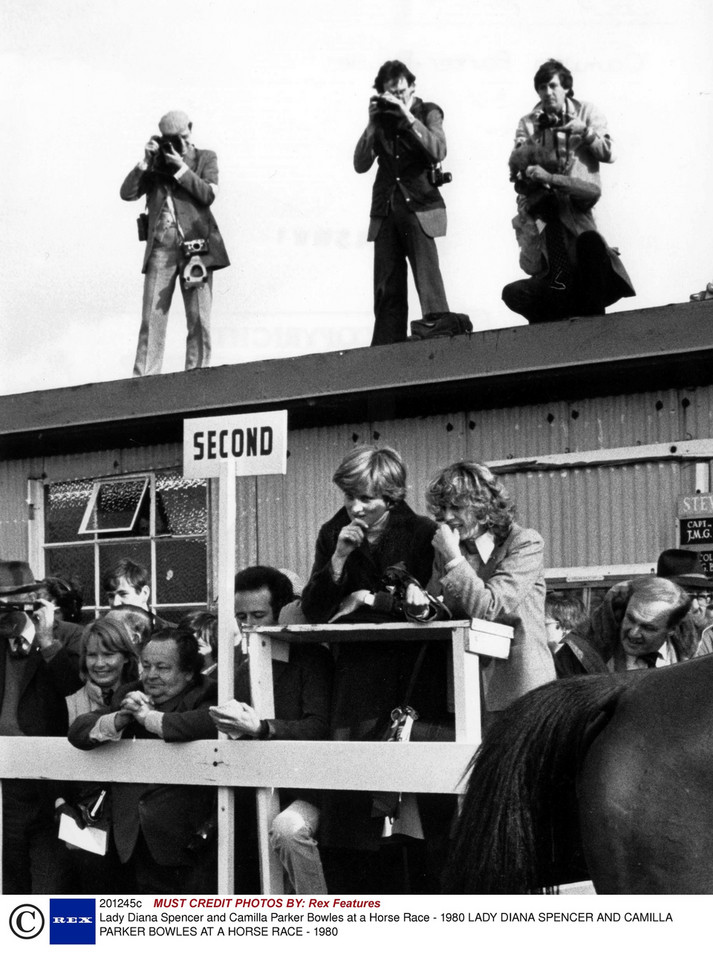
{"points": [[486, 566]]}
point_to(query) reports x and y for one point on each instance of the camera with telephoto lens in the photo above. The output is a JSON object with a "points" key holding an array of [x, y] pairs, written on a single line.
{"points": [[168, 140], [388, 116], [437, 176], [385, 108], [165, 142]]}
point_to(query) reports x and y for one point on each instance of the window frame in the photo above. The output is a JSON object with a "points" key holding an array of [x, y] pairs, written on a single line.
{"points": [[38, 492]]}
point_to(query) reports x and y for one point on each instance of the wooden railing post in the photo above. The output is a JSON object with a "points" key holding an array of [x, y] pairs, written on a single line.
{"points": [[267, 799]]}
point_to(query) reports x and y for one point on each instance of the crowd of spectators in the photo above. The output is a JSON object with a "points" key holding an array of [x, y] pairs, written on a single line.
{"points": [[130, 675]]}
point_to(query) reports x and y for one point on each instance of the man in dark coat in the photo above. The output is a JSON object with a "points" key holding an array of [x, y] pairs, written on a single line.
{"points": [[641, 623], [39, 666], [302, 689], [405, 136]]}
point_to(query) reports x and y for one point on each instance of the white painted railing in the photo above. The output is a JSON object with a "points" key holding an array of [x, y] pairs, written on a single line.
{"points": [[271, 765]]}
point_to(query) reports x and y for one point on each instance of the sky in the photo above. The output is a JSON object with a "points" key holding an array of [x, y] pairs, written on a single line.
{"points": [[280, 92]]}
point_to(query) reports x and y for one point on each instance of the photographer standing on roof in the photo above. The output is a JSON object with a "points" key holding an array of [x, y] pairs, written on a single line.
{"points": [[405, 136], [182, 239]]}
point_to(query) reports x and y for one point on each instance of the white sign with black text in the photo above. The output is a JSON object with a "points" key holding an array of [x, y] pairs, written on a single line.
{"points": [[255, 442]]}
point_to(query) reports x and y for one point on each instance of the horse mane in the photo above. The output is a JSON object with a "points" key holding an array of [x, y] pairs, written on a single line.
{"points": [[521, 786]]}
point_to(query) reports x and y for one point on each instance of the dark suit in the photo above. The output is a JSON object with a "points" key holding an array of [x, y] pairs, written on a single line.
{"points": [[34, 861], [407, 212], [153, 823], [192, 196], [302, 688]]}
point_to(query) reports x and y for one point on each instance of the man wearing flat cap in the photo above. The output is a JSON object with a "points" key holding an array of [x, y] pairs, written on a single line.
{"points": [[39, 667], [684, 568], [183, 243]]}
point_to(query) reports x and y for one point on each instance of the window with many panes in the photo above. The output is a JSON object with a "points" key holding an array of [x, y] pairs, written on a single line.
{"points": [[157, 519]]}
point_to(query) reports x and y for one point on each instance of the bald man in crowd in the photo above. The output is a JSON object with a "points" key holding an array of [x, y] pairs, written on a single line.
{"points": [[180, 183]]}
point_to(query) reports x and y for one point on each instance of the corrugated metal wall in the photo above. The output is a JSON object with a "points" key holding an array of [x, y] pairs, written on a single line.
{"points": [[592, 516]]}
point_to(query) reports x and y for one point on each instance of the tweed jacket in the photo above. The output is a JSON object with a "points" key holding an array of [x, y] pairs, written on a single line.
{"points": [[192, 196], [508, 589], [404, 155]]}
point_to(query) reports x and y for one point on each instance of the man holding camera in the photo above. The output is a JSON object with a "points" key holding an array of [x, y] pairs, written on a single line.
{"points": [[405, 136], [555, 168], [39, 667], [180, 183]]}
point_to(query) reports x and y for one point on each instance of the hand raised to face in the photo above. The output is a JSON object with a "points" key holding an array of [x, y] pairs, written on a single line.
{"points": [[446, 542], [350, 537]]}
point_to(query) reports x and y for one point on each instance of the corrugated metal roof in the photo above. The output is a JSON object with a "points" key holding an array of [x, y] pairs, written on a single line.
{"points": [[492, 369]]}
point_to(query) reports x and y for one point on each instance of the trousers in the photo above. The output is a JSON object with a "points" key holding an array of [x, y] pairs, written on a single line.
{"points": [[539, 300], [292, 837], [34, 860], [164, 266], [402, 238]]}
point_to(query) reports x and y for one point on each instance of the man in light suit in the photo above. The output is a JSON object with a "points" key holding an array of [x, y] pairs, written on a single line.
{"points": [[180, 183], [555, 166], [405, 136]]}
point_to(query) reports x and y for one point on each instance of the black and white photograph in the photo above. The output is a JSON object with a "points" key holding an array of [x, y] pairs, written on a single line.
{"points": [[356, 505]]}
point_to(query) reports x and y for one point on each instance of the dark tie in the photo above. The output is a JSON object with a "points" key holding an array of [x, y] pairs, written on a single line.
{"points": [[106, 696], [560, 274], [650, 659]]}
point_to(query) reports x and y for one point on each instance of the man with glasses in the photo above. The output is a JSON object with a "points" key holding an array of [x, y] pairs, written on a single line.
{"points": [[180, 182]]}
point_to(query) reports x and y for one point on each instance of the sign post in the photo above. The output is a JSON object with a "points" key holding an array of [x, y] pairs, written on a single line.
{"points": [[243, 445]]}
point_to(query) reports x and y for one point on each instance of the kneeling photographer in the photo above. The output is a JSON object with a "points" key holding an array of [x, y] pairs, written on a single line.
{"points": [[554, 166], [183, 243]]}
